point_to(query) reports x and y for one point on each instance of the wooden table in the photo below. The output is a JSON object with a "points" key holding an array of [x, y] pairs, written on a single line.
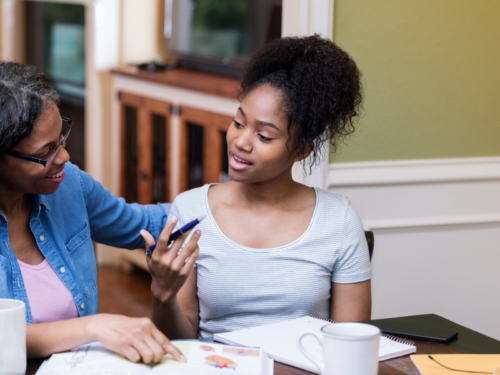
{"points": [[468, 341]]}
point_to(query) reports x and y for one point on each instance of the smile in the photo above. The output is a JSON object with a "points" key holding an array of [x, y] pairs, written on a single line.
{"points": [[57, 175], [241, 160], [239, 163]]}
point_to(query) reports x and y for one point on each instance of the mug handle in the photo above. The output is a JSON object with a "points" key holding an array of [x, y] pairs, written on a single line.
{"points": [[319, 365]]}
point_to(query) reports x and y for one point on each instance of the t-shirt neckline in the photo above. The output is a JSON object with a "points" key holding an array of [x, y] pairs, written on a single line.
{"points": [[36, 267], [212, 219]]}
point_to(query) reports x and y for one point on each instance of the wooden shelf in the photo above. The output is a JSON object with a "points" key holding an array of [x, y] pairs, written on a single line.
{"points": [[187, 79]]}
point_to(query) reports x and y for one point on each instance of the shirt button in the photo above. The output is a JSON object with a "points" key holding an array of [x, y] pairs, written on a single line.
{"points": [[82, 306], [62, 269], [42, 237]]}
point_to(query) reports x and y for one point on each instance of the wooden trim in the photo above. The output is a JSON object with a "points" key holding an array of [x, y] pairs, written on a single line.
{"points": [[212, 160], [213, 124], [186, 79], [197, 116], [123, 151], [222, 122], [184, 164], [144, 157], [146, 108], [131, 99]]}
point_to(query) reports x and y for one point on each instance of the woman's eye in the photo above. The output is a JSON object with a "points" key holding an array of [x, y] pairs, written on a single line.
{"points": [[237, 124], [264, 139], [48, 153]]}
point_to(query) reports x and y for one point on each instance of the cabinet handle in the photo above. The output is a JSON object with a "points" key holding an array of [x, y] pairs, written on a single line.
{"points": [[143, 175]]}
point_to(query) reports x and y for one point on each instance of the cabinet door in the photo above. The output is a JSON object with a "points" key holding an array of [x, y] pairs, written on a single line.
{"points": [[203, 147], [145, 149]]}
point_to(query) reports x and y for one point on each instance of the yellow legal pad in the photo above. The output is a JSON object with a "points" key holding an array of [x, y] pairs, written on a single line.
{"points": [[468, 362]]}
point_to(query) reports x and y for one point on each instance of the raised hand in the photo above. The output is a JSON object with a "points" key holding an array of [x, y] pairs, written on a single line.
{"points": [[169, 268]]}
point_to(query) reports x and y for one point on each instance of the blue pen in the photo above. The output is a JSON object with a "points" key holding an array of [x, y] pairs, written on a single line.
{"points": [[178, 233]]}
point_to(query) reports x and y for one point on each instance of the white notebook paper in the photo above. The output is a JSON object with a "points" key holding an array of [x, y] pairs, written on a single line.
{"points": [[279, 341]]}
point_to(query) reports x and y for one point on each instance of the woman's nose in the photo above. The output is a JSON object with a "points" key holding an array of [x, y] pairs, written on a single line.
{"points": [[62, 156], [244, 141]]}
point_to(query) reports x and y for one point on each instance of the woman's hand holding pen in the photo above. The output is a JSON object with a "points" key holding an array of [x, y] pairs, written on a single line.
{"points": [[169, 268]]}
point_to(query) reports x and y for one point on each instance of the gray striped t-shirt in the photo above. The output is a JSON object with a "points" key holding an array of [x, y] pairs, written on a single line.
{"points": [[241, 287]]}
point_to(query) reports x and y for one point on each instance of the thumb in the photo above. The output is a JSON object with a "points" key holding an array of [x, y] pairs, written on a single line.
{"points": [[148, 238]]}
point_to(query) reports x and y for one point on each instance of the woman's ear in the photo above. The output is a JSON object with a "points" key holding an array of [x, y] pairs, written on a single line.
{"points": [[303, 155]]}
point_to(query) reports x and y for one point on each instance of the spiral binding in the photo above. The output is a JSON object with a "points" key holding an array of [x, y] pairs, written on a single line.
{"points": [[398, 339], [386, 335]]}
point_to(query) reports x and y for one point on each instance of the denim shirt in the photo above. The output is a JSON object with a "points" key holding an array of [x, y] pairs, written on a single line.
{"points": [[65, 224]]}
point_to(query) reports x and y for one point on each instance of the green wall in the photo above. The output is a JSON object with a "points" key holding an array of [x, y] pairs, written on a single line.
{"points": [[431, 72]]}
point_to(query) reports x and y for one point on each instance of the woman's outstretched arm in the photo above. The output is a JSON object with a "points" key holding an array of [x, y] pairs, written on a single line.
{"points": [[351, 302], [135, 338], [175, 301]]}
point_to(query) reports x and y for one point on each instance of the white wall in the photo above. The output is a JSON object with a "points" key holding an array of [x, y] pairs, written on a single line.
{"points": [[437, 236], [141, 31]]}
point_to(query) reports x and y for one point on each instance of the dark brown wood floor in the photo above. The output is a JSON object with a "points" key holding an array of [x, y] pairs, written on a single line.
{"points": [[124, 293]]}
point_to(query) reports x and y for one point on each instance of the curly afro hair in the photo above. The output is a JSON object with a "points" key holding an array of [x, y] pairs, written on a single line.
{"points": [[320, 86]]}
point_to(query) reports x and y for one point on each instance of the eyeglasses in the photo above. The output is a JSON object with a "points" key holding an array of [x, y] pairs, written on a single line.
{"points": [[66, 129]]}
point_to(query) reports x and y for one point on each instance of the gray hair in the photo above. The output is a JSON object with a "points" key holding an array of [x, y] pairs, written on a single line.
{"points": [[24, 92]]}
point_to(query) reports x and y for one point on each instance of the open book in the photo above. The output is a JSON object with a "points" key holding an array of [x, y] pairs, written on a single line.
{"points": [[279, 341], [202, 358]]}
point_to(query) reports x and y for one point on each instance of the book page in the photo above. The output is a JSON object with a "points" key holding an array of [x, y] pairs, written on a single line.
{"points": [[203, 359], [209, 358], [91, 359]]}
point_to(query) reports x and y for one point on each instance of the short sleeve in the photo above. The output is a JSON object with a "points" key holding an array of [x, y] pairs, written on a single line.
{"points": [[178, 207], [353, 264]]}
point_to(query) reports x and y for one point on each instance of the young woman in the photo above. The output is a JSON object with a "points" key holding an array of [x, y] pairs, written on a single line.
{"points": [[272, 249]]}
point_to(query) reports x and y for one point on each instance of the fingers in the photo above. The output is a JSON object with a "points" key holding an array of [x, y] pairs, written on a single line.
{"points": [[176, 353], [188, 266], [161, 248], [167, 346], [155, 348], [140, 341], [187, 252], [173, 252], [139, 346], [148, 238], [131, 354]]}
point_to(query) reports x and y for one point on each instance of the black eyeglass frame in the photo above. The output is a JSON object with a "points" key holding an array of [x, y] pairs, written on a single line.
{"points": [[44, 161]]}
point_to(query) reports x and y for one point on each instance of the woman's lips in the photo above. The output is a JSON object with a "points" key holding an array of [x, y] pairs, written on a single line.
{"points": [[57, 177], [239, 163]]}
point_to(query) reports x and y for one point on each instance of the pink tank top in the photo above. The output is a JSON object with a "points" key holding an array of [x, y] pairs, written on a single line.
{"points": [[49, 298]]}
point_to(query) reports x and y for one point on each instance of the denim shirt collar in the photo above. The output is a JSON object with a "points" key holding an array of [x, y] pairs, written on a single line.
{"points": [[38, 202]]}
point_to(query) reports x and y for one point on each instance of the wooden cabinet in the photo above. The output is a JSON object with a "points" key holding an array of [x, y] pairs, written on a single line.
{"points": [[203, 147], [145, 158], [146, 148]]}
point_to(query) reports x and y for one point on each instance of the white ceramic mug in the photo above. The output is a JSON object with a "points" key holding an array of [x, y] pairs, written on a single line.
{"points": [[348, 349], [12, 337]]}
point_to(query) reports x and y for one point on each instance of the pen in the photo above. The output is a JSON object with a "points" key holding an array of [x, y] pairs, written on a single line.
{"points": [[178, 233]]}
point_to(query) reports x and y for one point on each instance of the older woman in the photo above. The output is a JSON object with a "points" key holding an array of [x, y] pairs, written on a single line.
{"points": [[50, 212]]}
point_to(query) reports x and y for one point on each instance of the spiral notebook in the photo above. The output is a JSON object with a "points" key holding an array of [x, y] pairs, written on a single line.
{"points": [[279, 341]]}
